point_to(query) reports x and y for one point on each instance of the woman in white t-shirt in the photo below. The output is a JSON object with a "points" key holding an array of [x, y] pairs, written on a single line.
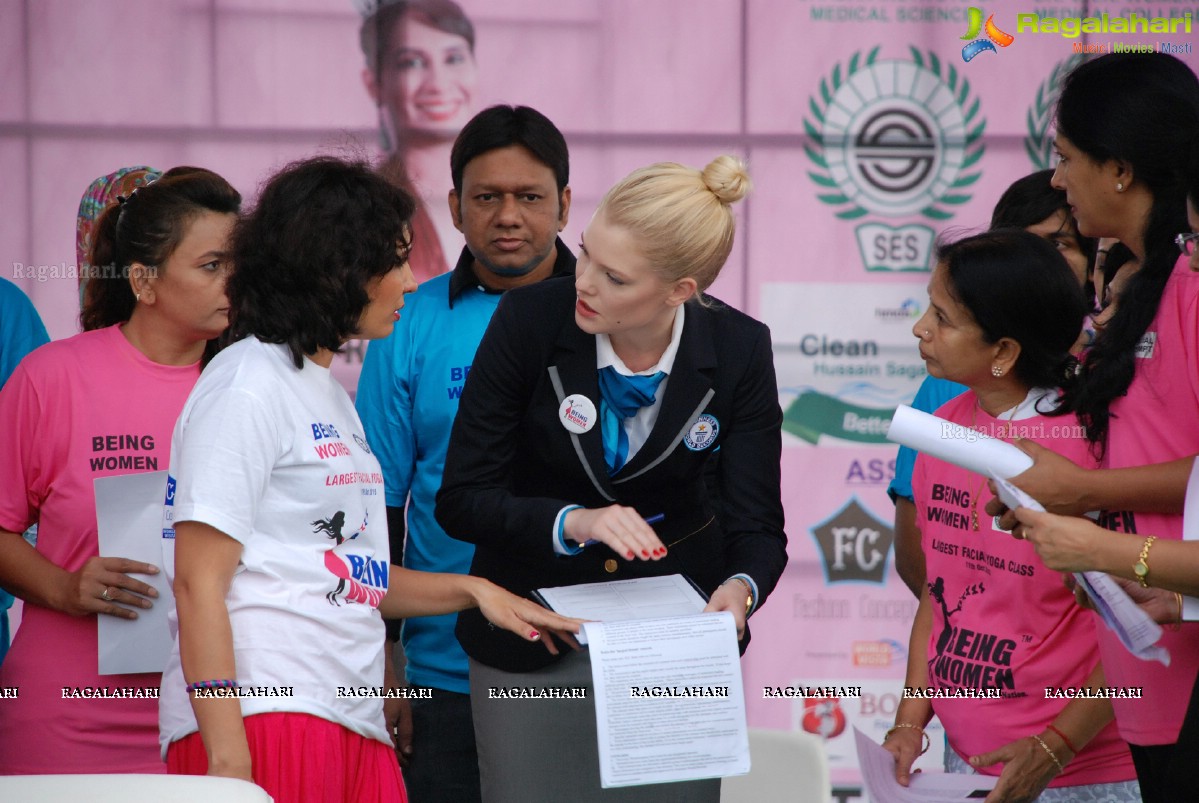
{"points": [[275, 509]]}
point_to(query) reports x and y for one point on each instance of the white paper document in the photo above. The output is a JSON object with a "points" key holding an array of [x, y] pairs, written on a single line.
{"points": [[1190, 532], [878, 776], [956, 444], [669, 704], [621, 600], [129, 519], [1136, 630]]}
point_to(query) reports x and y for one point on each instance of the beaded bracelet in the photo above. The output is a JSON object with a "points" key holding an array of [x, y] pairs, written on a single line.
{"points": [[1049, 750], [212, 684], [927, 741]]}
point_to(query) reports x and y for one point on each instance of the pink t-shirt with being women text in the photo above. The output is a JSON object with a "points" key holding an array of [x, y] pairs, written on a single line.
{"points": [[1001, 620], [77, 409]]}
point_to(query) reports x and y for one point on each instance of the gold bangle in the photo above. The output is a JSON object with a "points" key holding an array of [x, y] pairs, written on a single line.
{"points": [[1141, 567], [749, 593], [927, 742], [1049, 750], [1176, 626]]}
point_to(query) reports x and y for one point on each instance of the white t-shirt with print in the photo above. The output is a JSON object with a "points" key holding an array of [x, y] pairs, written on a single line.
{"points": [[276, 458]]}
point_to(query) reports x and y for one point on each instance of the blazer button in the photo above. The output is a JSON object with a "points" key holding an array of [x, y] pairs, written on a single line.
{"points": [[610, 565]]}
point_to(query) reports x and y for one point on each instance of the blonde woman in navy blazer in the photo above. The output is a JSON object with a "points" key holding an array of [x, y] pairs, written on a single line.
{"points": [[527, 477]]}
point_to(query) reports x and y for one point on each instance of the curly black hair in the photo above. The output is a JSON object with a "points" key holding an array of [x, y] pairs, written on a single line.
{"points": [[321, 230]]}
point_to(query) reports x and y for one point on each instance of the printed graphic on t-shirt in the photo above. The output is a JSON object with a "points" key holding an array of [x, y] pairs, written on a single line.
{"points": [[1121, 521], [360, 578], [128, 455], [1146, 346], [969, 659], [952, 506]]}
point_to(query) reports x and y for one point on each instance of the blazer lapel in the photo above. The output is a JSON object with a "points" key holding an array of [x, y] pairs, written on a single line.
{"points": [[572, 371], [687, 393]]}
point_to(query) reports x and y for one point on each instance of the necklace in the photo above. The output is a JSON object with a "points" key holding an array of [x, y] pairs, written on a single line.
{"points": [[1002, 435]]}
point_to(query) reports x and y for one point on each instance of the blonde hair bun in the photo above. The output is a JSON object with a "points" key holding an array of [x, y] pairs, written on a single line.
{"points": [[727, 179]]}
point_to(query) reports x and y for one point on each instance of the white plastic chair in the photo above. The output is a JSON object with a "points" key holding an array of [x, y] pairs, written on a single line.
{"points": [[786, 767], [129, 789]]}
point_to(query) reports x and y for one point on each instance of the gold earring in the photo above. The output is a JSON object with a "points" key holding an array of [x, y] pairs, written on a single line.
{"points": [[996, 371]]}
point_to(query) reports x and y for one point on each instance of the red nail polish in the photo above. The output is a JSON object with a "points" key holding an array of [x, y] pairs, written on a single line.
{"points": [[630, 555], [534, 635], [644, 553]]}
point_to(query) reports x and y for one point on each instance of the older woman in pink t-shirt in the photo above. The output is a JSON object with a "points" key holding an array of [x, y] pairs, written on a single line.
{"points": [[100, 404], [995, 628]]}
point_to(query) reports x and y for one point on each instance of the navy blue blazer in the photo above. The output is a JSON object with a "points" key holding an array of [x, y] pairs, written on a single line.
{"points": [[512, 465]]}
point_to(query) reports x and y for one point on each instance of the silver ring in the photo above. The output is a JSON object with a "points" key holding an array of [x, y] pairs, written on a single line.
{"points": [[105, 596]]}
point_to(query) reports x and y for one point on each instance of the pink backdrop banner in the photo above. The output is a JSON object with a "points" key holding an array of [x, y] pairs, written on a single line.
{"points": [[867, 131]]}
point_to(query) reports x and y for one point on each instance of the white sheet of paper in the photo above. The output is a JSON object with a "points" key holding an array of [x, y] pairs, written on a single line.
{"points": [[658, 739], [878, 776], [1190, 532], [1135, 629], [956, 444], [621, 600], [129, 518]]}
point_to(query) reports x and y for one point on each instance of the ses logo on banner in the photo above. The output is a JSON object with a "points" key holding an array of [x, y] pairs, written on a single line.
{"points": [[898, 139], [854, 545]]}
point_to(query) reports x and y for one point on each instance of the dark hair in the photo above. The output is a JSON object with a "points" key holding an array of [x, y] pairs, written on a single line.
{"points": [[443, 15], [1150, 115], [1118, 255], [322, 229], [1030, 200], [1018, 285], [146, 228], [501, 126]]}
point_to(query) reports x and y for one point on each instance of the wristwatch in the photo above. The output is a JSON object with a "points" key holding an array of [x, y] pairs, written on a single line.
{"points": [[1141, 567]]}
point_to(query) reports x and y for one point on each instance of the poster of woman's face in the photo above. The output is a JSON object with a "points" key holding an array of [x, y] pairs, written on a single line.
{"points": [[426, 83]]}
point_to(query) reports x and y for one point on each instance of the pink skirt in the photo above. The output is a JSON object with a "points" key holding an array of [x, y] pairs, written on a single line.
{"points": [[300, 758]]}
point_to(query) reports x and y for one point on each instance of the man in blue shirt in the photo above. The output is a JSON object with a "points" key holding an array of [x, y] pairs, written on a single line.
{"points": [[510, 168], [21, 331]]}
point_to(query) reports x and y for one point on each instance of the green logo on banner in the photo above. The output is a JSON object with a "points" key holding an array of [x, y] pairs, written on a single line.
{"points": [[1037, 143], [896, 139], [813, 414]]}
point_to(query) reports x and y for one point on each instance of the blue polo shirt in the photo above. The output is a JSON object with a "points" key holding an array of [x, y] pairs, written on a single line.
{"points": [[932, 393]]}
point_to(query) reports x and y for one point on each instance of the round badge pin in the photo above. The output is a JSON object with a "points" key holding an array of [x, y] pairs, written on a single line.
{"points": [[702, 433], [577, 413]]}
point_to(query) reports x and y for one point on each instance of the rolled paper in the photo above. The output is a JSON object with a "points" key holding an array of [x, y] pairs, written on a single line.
{"points": [[954, 443]]}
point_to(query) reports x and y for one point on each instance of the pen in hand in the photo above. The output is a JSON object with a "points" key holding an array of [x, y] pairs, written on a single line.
{"points": [[650, 520]]}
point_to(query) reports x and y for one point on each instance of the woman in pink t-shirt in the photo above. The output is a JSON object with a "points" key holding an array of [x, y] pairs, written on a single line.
{"points": [[995, 629], [1124, 173], [101, 404]]}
